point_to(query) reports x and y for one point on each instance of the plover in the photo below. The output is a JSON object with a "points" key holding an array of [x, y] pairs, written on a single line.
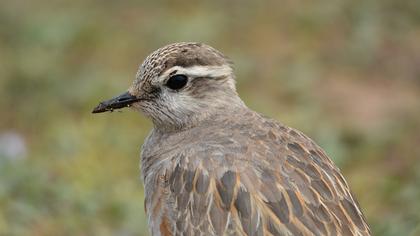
{"points": [[212, 166]]}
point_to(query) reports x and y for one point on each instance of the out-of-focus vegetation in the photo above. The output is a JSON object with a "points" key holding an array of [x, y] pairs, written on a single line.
{"points": [[347, 73]]}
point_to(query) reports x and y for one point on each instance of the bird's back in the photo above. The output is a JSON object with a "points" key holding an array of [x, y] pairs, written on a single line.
{"points": [[242, 174]]}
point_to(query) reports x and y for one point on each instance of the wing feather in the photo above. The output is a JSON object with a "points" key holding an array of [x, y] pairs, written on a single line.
{"points": [[296, 191]]}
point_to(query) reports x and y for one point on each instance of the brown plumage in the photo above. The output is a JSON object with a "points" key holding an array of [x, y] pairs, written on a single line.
{"points": [[212, 166]]}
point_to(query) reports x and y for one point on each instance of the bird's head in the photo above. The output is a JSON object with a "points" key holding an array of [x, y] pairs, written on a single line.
{"points": [[180, 85]]}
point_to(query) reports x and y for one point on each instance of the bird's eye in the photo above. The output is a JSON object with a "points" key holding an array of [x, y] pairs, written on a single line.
{"points": [[177, 82]]}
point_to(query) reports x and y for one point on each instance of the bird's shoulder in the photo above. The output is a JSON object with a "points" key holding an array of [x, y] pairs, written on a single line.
{"points": [[240, 141], [261, 177]]}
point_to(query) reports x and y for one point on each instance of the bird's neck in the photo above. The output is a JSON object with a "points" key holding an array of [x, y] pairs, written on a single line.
{"points": [[207, 112]]}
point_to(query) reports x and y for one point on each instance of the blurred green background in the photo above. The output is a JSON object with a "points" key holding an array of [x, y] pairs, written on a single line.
{"points": [[347, 73]]}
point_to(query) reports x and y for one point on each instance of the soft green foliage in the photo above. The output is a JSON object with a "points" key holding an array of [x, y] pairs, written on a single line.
{"points": [[344, 72]]}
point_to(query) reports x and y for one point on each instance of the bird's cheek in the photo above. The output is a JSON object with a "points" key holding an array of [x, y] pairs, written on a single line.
{"points": [[138, 105], [145, 106]]}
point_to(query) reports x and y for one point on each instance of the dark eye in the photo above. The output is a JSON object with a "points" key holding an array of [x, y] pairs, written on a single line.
{"points": [[177, 81]]}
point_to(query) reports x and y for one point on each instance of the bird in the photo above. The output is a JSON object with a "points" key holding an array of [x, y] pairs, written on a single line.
{"points": [[212, 166]]}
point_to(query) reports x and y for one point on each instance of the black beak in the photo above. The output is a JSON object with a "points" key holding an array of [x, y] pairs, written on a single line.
{"points": [[121, 101]]}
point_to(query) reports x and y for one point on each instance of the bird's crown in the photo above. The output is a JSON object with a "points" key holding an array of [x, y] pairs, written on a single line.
{"points": [[183, 55]]}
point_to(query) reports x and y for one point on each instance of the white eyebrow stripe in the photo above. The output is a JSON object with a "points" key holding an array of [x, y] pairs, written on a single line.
{"points": [[202, 71]]}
